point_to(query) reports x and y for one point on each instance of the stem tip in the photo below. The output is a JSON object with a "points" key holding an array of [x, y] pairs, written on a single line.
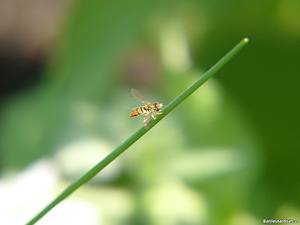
{"points": [[246, 39]]}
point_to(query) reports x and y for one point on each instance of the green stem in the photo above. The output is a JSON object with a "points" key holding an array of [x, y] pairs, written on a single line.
{"points": [[114, 154]]}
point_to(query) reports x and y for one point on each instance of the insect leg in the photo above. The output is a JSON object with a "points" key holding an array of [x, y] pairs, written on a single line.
{"points": [[158, 113], [153, 116]]}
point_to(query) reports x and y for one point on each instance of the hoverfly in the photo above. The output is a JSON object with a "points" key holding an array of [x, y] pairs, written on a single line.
{"points": [[147, 109]]}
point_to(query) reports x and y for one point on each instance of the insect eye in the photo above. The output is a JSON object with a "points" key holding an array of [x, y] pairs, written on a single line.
{"points": [[158, 106]]}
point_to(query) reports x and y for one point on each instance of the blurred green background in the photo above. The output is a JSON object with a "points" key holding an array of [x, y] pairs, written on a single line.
{"points": [[228, 155]]}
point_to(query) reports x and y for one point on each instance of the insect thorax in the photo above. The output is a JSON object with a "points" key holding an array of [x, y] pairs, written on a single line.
{"points": [[149, 107]]}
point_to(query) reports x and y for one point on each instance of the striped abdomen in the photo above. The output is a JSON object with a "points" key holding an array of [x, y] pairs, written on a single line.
{"points": [[137, 112]]}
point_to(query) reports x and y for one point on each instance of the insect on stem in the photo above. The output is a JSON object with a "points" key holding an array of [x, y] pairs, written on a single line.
{"points": [[148, 110]]}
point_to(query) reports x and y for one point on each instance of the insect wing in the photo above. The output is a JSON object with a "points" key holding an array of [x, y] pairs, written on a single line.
{"points": [[137, 95], [147, 120]]}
